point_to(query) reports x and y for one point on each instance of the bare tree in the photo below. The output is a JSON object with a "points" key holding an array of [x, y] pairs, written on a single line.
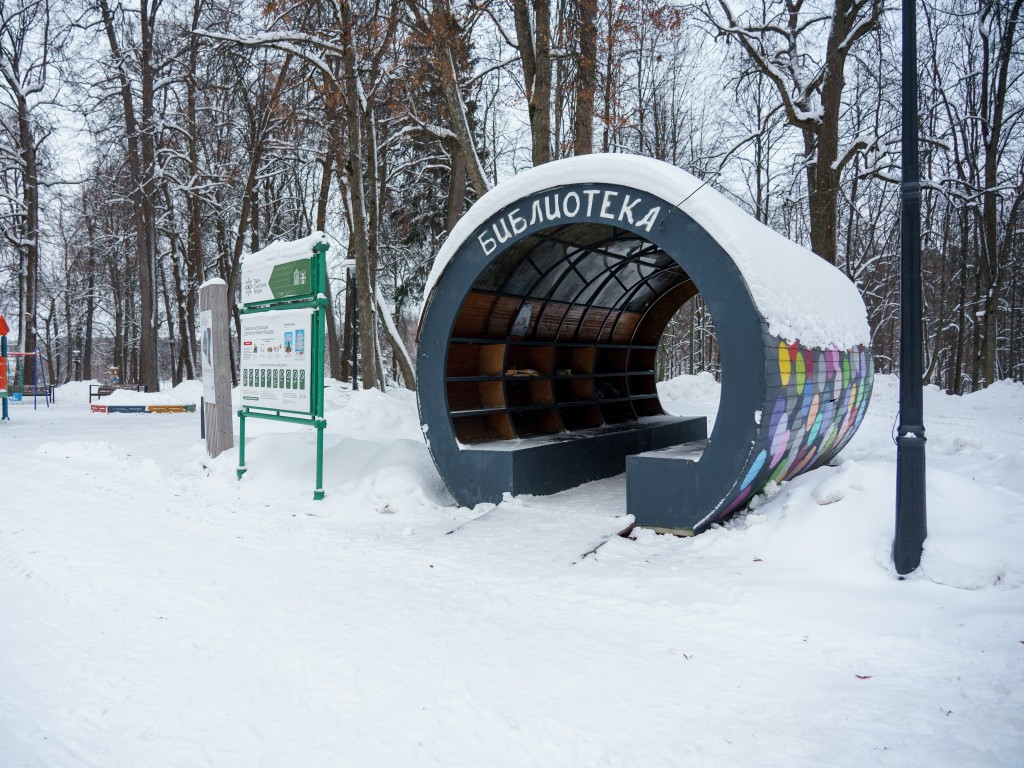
{"points": [[586, 77], [26, 47], [780, 42], [132, 49], [446, 36], [533, 37], [974, 105], [345, 48]]}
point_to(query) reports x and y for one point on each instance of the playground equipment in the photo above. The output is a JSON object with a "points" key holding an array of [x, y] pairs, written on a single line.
{"points": [[540, 329], [12, 385], [39, 386], [4, 330]]}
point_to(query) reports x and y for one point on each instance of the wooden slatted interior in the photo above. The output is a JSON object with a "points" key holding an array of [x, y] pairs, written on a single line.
{"points": [[648, 407], [521, 392], [540, 391], [642, 359], [622, 331], [575, 360], [492, 394], [463, 395], [653, 323], [570, 323], [539, 422], [611, 388], [474, 316], [581, 417], [532, 358], [617, 412], [571, 366], [593, 324], [611, 360], [574, 390], [481, 429], [499, 324], [492, 359], [642, 385], [549, 320]]}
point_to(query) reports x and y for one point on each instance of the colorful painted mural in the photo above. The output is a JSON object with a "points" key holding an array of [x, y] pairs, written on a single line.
{"points": [[818, 398]]}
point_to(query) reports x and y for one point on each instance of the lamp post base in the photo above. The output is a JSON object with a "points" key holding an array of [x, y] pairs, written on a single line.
{"points": [[911, 508]]}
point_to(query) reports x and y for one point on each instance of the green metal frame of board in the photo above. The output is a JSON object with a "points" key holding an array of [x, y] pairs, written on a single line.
{"points": [[313, 299]]}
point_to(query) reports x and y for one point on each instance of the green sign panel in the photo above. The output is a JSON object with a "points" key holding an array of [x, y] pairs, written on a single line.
{"points": [[292, 279], [278, 282]]}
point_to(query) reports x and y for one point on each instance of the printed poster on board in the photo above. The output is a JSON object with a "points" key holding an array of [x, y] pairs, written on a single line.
{"points": [[206, 354], [275, 360]]}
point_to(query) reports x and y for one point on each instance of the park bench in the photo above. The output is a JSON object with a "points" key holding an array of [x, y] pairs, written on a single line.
{"points": [[583, 455], [40, 390], [96, 391]]}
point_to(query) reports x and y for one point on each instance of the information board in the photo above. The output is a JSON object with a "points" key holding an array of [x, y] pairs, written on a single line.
{"points": [[284, 322], [276, 360]]}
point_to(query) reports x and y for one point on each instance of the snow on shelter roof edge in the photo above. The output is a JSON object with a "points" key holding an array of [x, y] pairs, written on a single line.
{"points": [[799, 294]]}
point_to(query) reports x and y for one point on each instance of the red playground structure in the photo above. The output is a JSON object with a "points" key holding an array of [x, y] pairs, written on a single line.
{"points": [[12, 383]]}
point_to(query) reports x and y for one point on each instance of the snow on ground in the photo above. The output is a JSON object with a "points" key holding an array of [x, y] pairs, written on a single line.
{"points": [[158, 612]]}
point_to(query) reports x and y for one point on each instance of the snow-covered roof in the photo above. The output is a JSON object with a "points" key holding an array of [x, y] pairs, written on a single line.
{"points": [[284, 250], [801, 296]]}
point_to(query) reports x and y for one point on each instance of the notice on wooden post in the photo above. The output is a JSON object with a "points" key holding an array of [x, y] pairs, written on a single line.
{"points": [[206, 355], [216, 368]]}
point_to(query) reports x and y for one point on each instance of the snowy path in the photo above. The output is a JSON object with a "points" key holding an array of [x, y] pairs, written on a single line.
{"points": [[157, 612]]}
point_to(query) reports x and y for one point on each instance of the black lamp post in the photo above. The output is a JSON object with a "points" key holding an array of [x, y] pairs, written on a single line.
{"points": [[911, 514]]}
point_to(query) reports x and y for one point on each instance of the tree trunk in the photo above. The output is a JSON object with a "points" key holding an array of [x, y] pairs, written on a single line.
{"points": [[995, 82], [813, 105], [399, 353], [534, 41], [149, 373], [141, 146], [607, 135], [333, 345], [456, 188], [194, 256], [182, 357], [30, 235], [169, 306], [360, 219], [586, 75], [350, 350], [90, 300], [443, 35]]}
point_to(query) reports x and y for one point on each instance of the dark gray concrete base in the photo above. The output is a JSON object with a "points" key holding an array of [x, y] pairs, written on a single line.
{"points": [[554, 463], [663, 490]]}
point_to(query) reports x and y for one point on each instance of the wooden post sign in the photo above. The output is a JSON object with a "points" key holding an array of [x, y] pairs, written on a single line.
{"points": [[283, 312], [215, 364]]}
